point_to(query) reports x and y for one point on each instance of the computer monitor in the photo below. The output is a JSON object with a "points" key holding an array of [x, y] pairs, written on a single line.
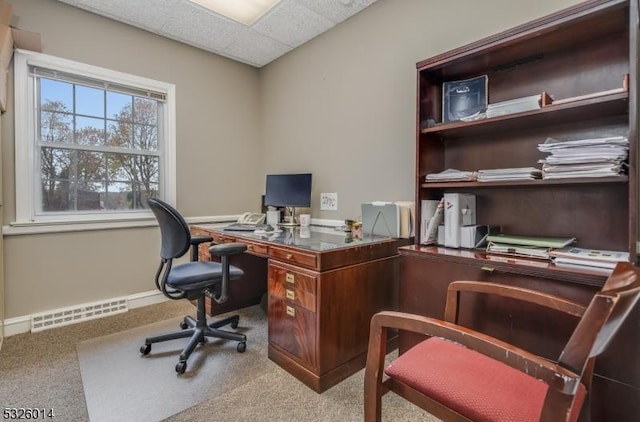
{"points": [[288, 190]]}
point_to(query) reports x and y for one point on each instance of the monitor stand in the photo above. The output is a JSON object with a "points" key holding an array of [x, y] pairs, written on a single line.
{"points": [[292, 223]]}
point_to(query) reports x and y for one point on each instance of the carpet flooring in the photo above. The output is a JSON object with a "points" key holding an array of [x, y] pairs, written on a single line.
{"points": [[122, 384], [70, 371]]}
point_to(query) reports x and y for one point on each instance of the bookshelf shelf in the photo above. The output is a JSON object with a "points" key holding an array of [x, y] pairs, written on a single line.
{"points": [[623, 179], [609, 105]]}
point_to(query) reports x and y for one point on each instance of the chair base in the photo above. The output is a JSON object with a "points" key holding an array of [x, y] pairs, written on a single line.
{"points": [[197, 330]]}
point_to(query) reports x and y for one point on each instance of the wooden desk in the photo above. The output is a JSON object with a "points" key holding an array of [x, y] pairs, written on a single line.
{"points": [[323, 289]]}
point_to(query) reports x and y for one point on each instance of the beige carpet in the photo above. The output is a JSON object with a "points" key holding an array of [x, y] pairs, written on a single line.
{"points": [[120, 384], [220, 384]]}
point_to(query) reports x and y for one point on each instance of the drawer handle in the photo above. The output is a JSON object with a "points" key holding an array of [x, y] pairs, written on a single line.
{"points": [[290, 278], [249, 247], [289, 256], [291, 311], [290, 294], [487, 269]]}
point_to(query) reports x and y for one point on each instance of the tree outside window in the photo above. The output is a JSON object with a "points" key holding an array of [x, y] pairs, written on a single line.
{"points": [[94, 161]]}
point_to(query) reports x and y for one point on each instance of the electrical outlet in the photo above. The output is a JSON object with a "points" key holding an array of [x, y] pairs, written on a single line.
{"points": [[329, 201]]}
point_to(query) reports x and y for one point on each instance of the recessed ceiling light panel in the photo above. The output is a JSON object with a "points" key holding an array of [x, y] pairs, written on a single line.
{"points": [[243, 11]]}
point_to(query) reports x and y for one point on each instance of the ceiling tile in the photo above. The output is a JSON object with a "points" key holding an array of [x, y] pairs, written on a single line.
{"points": [[255, 49], [292, 24], [195, 25], [288, 25], [130, 12]]}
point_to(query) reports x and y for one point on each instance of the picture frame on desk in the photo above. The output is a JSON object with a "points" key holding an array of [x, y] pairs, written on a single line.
{"points": [[464, 99]]}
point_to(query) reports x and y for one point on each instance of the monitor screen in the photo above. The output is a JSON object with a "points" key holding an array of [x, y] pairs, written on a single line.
{"points": [[288, 190]]}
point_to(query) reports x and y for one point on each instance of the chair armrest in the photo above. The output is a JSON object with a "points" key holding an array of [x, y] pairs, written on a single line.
{"points": [[200, 238], [519, 293], [196, 240], [226, 249], [557, 377]]}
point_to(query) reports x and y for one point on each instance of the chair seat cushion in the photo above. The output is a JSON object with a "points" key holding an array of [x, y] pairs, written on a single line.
{"points": [[198, 275], [471, 383]]}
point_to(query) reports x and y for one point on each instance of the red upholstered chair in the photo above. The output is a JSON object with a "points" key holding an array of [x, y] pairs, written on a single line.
{"points": [[458, 374]]}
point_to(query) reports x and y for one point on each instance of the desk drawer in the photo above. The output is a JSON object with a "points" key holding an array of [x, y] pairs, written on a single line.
{"points": [[257, 248], [220, 238], [298, 258], [295, 287], [293, 329], [252, 248]]}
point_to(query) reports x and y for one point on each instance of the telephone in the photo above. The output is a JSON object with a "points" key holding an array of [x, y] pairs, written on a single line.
{"points": [[251, 218]]}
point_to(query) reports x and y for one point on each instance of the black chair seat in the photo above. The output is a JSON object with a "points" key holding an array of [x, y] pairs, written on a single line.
{"points": [[198, 275]]}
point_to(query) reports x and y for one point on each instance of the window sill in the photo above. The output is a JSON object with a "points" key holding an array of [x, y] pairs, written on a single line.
{"points": [[18, 229]]}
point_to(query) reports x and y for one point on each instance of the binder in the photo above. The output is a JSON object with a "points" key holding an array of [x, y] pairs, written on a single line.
{"points": [[407, 211], [459, 210], [549, 242], [431, 217]]}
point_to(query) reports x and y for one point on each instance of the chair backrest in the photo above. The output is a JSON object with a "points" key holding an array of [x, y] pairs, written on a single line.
{"points": [[603, 317], [176, 236]]}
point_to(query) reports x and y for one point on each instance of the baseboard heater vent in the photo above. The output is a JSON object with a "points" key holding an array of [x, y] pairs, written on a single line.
{"points": [[79, 313]]}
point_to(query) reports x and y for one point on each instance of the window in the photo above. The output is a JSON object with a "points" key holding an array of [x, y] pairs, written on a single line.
{"points": [[92, 144]]}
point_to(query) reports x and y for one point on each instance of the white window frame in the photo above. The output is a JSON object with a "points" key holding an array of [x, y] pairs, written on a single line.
{"points": [[26, 150]]}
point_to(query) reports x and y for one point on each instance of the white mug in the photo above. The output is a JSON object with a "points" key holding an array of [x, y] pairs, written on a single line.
{"points": [[305, 220], [273, 217]]}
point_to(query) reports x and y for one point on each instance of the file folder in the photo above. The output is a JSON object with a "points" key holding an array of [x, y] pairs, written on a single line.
{"points": [[380, 219]]}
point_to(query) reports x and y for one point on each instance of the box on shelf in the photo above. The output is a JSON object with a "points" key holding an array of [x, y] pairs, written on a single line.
{"points": [[464, 98]]}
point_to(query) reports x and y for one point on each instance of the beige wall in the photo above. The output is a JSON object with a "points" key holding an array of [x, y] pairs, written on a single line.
{"points": [[341, 106], [217, 116]]}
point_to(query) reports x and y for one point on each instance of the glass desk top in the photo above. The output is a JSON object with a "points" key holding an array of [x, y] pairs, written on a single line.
{"points": [[312, 238]]}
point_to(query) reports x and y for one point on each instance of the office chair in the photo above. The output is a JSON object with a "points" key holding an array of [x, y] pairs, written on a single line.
{"points": [[194, 280], [459, 374]]}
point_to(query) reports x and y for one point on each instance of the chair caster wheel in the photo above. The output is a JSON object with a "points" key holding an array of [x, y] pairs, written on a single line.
{"points": [[184, 325], [242, 347], [181, 367], [234, 323], [145, 349]]}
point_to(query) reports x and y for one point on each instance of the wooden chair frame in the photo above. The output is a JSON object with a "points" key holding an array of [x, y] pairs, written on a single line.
{"points": [[598, 323]]}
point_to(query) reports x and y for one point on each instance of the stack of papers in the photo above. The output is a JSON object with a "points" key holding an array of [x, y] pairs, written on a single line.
{"points": [[589, 257], [518, 250], [525, 246], [596, 157], [520, 173], [517, 105], [452, 175]]}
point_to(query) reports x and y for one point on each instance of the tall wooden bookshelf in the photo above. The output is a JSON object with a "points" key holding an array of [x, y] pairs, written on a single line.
{"points": [[585, 61]]}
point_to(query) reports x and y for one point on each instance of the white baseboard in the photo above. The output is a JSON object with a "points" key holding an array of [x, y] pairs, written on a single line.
{"points": [[22, 324]]}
